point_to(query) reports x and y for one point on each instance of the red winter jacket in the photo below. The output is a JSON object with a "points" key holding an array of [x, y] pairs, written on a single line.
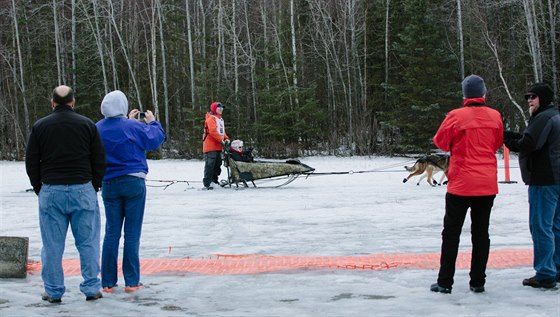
{"points": [[472, 134], [216, 133]]}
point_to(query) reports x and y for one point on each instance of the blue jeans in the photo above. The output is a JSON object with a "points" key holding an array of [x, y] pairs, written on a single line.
{"points": [[124, 199], [74, 205], [544, 223]]}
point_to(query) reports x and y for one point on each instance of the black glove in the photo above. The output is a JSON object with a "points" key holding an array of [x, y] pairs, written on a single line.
{"points": [[225, 144], [509, 135]]}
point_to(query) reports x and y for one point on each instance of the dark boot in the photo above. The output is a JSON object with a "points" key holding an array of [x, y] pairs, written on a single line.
{"points": [[440, 289], [96, 296], [536, 283], [49, 299]]}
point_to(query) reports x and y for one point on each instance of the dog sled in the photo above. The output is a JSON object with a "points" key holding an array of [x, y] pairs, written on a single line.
{"points": [[263, 173]]}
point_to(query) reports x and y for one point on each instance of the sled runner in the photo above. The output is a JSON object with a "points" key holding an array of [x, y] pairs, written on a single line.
{"points": [[262, 172]]}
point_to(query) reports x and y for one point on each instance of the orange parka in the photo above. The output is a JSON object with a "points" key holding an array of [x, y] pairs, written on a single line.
{"points": [[215, 132], [472, 134]]}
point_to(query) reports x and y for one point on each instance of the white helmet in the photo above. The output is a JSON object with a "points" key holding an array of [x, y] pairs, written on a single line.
{"points": [[237, 145]]}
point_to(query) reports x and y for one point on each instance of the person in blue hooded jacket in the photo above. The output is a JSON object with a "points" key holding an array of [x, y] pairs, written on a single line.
{"points": [[126, 141]]}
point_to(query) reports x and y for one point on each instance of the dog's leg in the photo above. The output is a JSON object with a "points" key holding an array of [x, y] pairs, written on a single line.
{"points": [[430, 172], [434, 183], [447, 179], [441, 179], [414, 171], [421, 178]]}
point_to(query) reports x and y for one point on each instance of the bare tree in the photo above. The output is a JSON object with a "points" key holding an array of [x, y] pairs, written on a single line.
{"points": [[294, 53], [252, 63], [494, 49], [553, 11], [163, 65], [387, 6], [221, 42], [21, 74], [191, 55], [124, 49], [74, 71], [57, 44], [235, 45], [461, 42], [533, 38], [97, 36], [153, 53]]}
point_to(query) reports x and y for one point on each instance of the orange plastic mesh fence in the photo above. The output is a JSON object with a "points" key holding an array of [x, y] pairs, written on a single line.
{"points": [[223, 264]]}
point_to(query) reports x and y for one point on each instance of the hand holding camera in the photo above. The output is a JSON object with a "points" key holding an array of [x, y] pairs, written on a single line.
{"points": [[145, 117]]}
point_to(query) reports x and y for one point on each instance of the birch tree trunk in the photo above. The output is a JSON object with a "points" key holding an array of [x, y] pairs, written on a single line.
{"points": [[461, 43], [294, 54], [235, 53], [221, 42], [127, 59], [552, 8], [281, 59], [74, 45], [203, 37], [21, 85], [191, 56], [349, 49], [97, 35], [112, 54], [163, 67], [387, 5], [57, 43], [365, 65], [327, 52], [251, 64], [533, 38], [494, 50], [153, 46]]}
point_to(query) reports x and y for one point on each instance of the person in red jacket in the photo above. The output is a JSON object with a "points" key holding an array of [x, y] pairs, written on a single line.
{"points": [[472, 134], [214, 138]]}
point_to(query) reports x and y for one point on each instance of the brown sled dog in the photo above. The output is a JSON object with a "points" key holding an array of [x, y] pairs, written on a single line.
{"points": [[430, 164]]}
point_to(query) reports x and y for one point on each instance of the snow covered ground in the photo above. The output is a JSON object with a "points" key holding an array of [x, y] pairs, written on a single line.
{"points": [[349, 214]]}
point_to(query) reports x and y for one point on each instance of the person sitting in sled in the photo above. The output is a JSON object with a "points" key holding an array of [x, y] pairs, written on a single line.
{"points": [[237, 152]]}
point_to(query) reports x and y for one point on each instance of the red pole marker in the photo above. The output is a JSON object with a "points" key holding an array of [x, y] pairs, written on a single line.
{"points": [[506, 167]]}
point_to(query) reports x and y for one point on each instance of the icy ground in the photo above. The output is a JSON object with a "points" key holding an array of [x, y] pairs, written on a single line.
{"points": [[350, 214]]}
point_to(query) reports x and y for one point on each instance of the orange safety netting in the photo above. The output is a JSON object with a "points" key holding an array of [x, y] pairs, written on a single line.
{"points": [[222, 264]]}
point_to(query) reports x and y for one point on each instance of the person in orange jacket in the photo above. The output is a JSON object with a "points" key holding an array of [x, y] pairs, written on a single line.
{"points": [[472, 134], [214, 139]]}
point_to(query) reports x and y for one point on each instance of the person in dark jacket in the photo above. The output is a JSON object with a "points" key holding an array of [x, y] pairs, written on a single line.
{"points": [[539, 161], [65, 162], [124, 186], [472, 134], [239, 153]]}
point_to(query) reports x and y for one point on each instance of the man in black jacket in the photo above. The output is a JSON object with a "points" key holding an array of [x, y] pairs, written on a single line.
{"points": [[539, 161], [65, 162]]}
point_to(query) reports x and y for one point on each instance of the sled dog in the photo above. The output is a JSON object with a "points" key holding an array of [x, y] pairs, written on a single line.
{"points": [[428, 166]]}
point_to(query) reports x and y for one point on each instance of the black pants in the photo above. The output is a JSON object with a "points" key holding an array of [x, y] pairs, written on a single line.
{"points": [[212, 167], [455, 212]]}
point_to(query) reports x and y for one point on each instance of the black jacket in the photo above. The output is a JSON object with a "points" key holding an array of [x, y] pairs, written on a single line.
{"points": [[64, 148], [538, 147], [246, 156]]}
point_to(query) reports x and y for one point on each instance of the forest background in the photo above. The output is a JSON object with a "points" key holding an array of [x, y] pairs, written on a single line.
{"points": [[297, 77]]}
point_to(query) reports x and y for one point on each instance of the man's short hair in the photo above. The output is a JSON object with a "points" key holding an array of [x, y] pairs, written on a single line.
{"points": [[63, 95]]}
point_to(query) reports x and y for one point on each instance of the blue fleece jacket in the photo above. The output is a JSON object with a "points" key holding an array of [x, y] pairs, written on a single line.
{"points": [[126, 140]]}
